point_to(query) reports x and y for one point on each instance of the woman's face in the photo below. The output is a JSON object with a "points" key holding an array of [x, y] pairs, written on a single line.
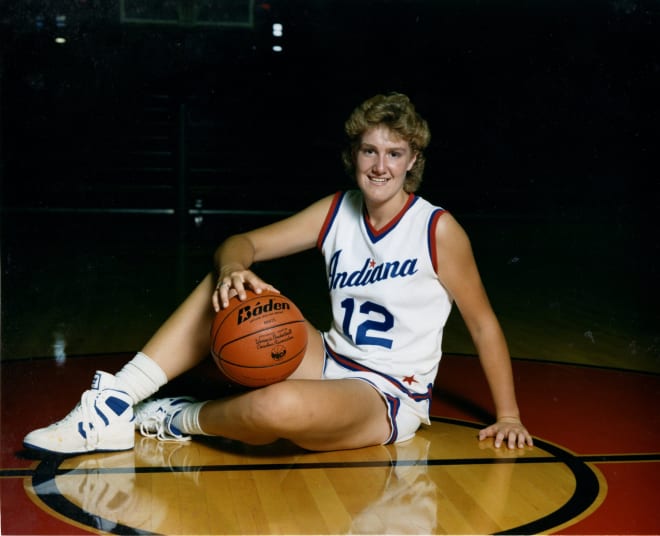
{"points": [[382, 161]]}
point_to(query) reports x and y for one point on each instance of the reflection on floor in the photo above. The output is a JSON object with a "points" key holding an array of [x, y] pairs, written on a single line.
{"points": [[593, 469], [377, 490]]}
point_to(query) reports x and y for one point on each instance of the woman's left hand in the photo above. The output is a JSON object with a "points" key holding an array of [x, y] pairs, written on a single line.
{"points": [[508, 430]]}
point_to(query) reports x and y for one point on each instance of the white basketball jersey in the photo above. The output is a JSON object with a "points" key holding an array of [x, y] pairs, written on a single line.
{"points": [[389, 307]]}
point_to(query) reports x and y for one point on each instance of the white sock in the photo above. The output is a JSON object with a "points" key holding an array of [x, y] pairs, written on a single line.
{"points": [[187, 420], [141, 377]]}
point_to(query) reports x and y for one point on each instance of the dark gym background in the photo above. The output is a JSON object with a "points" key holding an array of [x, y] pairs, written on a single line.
{"points": [[157, 128]]}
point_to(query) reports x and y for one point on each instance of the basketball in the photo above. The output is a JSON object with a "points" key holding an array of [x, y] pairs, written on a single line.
{"points": [[259, 341]]}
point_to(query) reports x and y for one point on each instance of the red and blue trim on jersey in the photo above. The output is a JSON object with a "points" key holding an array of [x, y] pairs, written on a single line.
{"points": [[377, 234], [351, 364], [330, 217], [433, 223], [374, 234], [393, 404]]}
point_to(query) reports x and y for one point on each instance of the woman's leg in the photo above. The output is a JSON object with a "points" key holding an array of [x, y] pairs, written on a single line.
{"points": [[104, 419], [184, 339], [314, 414]]}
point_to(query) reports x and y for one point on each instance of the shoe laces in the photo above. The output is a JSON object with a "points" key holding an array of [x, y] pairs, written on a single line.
{"points": [[85, 414], [159, 426]]}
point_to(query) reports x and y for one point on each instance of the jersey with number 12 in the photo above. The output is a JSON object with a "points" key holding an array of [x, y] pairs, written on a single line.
{"points": [[388, 305]]}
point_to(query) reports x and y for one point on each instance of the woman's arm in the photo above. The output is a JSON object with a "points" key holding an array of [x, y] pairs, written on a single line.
{"points": [[458, 272], [234, 257]]}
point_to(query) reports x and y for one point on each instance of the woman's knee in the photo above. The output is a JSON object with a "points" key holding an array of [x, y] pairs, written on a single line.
{"points": [[278, 407]]}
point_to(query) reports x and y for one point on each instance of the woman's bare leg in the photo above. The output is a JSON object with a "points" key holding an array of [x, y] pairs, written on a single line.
{"points": [[314, 414], [184, 339]]}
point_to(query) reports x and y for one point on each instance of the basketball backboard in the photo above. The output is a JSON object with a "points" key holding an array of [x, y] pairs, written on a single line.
{"points": [[231, 13]]}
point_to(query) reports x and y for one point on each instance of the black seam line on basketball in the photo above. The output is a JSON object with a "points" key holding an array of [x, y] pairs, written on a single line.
{"points": [[587, 458], [268, 328], [252, 334], [275, 362]]}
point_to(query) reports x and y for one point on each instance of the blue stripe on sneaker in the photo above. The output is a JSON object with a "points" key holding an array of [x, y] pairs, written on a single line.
{"points": [[116, 404], [174, 430], [101, 414]]}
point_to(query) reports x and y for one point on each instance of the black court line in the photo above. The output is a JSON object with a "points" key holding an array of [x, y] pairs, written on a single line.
{"points": [[587, 487], [599, 458]]}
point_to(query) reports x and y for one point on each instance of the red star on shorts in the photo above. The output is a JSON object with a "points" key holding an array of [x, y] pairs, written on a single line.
{"points": [[410, 379]]}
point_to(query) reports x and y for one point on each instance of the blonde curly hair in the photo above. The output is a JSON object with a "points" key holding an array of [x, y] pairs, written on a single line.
{"points": [[396, 112]]}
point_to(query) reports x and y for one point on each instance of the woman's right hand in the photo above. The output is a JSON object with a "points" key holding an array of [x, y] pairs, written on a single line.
{"points": [[235, 283]]}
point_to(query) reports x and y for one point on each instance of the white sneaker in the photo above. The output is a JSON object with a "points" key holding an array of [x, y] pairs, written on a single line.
{"points": [[153, 418], [101, 421]]}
